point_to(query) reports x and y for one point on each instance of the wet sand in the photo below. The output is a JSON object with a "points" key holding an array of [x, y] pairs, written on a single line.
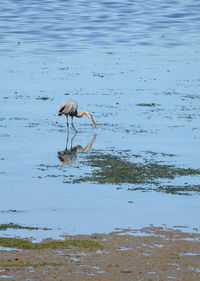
{"points": [[151, 253]]}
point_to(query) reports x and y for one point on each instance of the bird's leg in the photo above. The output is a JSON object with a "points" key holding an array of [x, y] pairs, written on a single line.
{"points": [[73, 125], [67, 122]]}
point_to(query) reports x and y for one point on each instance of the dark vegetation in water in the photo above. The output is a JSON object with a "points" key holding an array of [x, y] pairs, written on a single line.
{"points": [[53, 244], [44, 98], [22, 264], [180, 189], [17, 226], [172, 189], [146, 173], [146, 104], [117, 170], [10, 211]]}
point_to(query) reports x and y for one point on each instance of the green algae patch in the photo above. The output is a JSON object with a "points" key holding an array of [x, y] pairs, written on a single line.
{"points": [[53, 244], [108, 168], [31, 264], [114, 169], [180, 189], [153, 258], [18, 226], [15, 243], [185, 190]]}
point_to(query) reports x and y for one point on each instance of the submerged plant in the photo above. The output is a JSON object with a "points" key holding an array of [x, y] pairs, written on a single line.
{"points": [[117, 170], [53, 244]]}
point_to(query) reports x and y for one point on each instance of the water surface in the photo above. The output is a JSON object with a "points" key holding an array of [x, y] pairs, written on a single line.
{"points": [[133, 65]]}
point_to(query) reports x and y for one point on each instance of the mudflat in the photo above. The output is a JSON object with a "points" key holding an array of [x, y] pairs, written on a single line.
{"points": [[151, 253]]}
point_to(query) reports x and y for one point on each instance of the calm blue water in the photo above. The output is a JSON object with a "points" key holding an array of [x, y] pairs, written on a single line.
{"points": [[46, 27], [113, 57]]}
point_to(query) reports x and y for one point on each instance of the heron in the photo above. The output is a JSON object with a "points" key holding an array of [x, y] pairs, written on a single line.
{"points": [[70, 108]]}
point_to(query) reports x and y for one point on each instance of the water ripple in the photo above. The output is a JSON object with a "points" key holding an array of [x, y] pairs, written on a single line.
{"points": [[64, 25]]}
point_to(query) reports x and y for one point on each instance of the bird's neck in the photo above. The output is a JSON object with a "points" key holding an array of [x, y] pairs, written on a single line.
{"points": [[81, 113]]}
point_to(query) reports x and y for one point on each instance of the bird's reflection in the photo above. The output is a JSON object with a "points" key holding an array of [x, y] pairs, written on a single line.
{"points": [[69, 155]]}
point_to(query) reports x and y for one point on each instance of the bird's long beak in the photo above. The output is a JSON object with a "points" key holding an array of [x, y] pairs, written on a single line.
{"points": [[91, 118], [93, 122]]}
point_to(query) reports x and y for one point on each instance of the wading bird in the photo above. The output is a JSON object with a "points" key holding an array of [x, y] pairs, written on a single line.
{"points": [[70, 108]]}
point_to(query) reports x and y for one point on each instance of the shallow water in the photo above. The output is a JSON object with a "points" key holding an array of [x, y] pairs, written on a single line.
{"points": [[135, 68]]}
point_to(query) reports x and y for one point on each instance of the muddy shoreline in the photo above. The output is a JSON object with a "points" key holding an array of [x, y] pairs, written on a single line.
{"points": [[151, 253]]}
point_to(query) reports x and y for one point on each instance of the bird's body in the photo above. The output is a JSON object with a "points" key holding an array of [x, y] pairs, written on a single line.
{"points": [[70, 108]]}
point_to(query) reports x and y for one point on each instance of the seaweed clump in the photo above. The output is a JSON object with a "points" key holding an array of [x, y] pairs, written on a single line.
{"points": [[18, 226], [114, 169], [19, 243], [117, 170]]}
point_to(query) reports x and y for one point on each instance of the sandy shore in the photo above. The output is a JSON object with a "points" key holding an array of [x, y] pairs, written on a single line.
{"points": [[150, 253]]}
